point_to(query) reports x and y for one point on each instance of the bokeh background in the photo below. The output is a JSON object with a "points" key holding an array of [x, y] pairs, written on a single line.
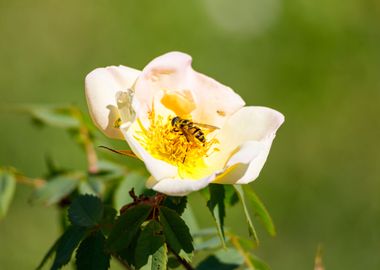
{"points": [[318, 62]]}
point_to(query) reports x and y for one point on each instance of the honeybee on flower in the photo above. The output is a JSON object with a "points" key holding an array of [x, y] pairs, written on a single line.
{"points": [[187, 128]]}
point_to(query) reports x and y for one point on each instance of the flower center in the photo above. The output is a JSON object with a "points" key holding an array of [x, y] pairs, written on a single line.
{"points": [[179, 142]]}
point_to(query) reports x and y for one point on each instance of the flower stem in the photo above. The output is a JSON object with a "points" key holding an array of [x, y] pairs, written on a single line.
{"points": [[85, 137], [34, 182]]}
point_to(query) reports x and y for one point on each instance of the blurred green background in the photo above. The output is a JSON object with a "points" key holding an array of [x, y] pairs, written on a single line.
{"points": [[318, 62]]}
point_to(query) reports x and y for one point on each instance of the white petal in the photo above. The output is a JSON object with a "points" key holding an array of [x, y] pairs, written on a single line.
{"points": [[101, 85], [170, 80], [159, 169], [245, 143], [215, 101], [246, 164], [178, 187]]}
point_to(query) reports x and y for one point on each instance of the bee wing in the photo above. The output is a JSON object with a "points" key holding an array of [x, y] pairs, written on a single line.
{"points": [[209, 127]]}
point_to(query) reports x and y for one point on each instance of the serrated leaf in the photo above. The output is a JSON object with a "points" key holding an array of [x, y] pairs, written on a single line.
{"points": [[108, 219], [128, 254], [160, 258], [126, 226], [178, 204], [86, 211], [7, 190], [251, 228], [176, 232], [67, 244], [260, 209], [217, 208], [55, 190], [131, 180], [150, 240], [91, 253]]}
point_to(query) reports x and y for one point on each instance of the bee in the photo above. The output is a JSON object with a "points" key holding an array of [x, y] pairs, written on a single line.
{"points": [[191, 129]]}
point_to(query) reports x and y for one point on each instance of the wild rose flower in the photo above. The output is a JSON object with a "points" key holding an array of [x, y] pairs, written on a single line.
{"points": [[187, 128]]}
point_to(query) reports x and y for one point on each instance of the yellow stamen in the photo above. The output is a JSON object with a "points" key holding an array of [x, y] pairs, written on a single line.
{"points": [[186, 152]]}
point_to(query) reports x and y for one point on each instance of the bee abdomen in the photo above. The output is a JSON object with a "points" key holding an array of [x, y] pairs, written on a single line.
{"points": [[199, 135]]}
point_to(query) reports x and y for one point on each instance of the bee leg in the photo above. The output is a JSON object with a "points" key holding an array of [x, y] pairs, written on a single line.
{"points": [[184, 158]]}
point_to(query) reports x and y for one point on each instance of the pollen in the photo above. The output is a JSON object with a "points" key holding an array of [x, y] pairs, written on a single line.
{"points": [[177, 147]]}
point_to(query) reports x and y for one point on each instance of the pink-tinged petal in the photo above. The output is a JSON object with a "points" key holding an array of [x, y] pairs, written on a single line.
{"points": [[102, 86], [178, 187], [215, 101], [171, 81], [245, 143], [158, 168]]}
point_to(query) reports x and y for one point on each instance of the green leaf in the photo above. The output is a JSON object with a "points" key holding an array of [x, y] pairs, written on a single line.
{"points": [[48, 255], [212, 231], [190, 219], [222, 260], [55, 190], [150, 240], [258, 263], [212, 263], [126, 226], [108, 219], [217, 208], [231, 197], [64, 218], [108, 170], [7, 190], [178, 204], [86, 211], [91, 254], [211, 243], [260, 210], [173, 262], [67, 244], [251, 228], [230, 255], [57, 117], [131, 180], [176, 232], [160, 258], [128, 253], [85, 188], [52, 168]]}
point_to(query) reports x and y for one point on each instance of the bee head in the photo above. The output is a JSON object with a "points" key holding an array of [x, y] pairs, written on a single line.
{"points": [[175, 120]]}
